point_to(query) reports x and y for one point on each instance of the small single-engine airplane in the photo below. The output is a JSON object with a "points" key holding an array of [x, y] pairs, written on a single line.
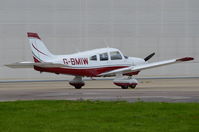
{"points": [[103, 62]]}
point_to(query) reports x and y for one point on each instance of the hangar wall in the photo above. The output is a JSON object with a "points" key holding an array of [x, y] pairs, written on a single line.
{"points": [[137, 27]]}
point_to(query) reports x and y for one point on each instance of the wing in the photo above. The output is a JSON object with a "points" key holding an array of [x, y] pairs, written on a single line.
{"points": [[146, 66], [32, 64]]}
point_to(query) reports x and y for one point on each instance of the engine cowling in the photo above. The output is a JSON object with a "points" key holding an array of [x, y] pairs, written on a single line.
{"points": [[125, 82]]}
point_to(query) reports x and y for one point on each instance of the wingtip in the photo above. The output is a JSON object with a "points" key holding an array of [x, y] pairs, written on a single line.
{"points": [[185, 59], [8, 65], [33, 35]]}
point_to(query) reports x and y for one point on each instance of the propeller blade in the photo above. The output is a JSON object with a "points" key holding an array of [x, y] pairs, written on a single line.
{"points": [[149, 56]]}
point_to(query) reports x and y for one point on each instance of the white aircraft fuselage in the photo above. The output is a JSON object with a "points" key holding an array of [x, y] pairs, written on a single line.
{"points": [[82, 63]]}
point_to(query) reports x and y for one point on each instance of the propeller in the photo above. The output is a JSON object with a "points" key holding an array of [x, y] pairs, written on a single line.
{"points": [[149, 56]]}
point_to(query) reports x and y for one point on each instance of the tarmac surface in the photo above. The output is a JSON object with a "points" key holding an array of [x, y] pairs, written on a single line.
{"points": [[149, 90]]}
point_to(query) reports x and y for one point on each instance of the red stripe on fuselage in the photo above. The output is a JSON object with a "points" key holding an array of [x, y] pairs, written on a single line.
{"points": [[89, 72]]}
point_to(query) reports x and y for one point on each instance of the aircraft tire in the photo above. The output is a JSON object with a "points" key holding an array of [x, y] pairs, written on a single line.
{"points": [[78, 87], [132, 86], [124, 87]]}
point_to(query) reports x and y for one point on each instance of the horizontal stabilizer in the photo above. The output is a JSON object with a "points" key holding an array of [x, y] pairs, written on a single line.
{"points": [[32, 64]]}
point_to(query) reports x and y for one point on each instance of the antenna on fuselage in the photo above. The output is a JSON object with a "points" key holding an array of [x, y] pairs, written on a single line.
{"points": [[106, 43]]}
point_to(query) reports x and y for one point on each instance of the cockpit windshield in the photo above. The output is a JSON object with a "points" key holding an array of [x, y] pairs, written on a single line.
{"points": [[115, 55]]}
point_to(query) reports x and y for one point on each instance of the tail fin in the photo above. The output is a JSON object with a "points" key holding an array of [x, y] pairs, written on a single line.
{"points": [[39, 50]]}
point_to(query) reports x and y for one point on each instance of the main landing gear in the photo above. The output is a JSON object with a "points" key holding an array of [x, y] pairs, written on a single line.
{"points": [[121, 81], [77, 82], [125, 83]]}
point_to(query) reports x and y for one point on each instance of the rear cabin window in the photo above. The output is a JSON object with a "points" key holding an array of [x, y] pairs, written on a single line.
{"points": [[104, 57], [93, 58], [115, 55]]}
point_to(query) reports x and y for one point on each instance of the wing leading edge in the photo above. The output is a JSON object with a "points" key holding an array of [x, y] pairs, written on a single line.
{"points": [[146, 66]]}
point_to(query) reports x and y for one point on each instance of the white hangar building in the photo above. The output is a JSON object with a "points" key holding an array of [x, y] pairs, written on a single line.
{"points": [[170, 28]]}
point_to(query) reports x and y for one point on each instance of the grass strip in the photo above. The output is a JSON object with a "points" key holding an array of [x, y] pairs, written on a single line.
{"points": [[98, 116]]}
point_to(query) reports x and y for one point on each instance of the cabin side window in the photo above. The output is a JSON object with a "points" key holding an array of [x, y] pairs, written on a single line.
{"points": [[104, 57], [115, 55], [93, 58]]}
